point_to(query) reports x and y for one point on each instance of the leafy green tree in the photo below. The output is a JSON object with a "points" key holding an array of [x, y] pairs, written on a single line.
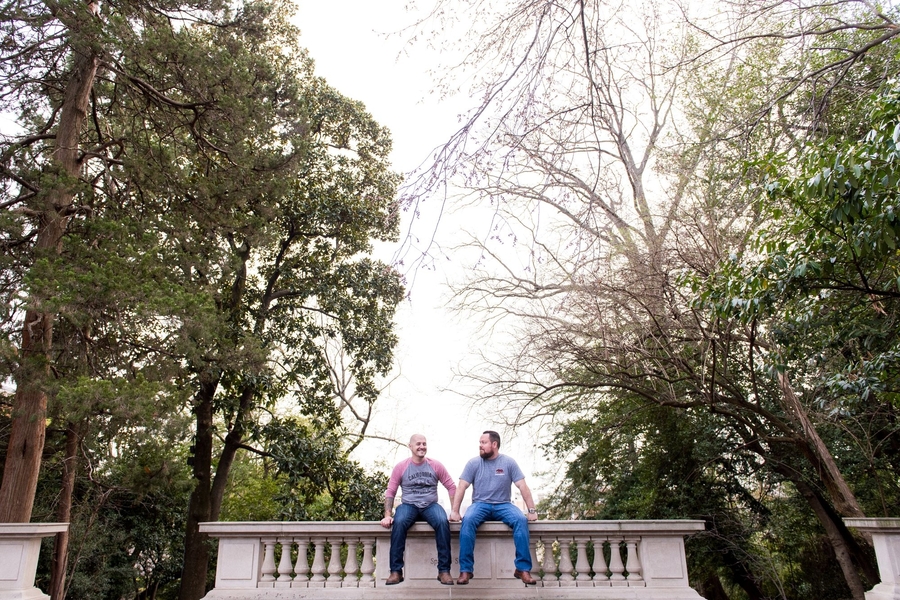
{"points": [[318, 479], [127, 510], [209, 244], [282, 285], [149, 84]]}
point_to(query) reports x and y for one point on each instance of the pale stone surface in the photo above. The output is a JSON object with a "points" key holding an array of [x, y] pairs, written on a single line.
{"points": [[246, 567], [20, 546], [886, 539]]}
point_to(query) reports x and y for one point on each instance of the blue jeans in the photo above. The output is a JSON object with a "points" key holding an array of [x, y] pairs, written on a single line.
{"points": [[434, 515], [478, 513]]}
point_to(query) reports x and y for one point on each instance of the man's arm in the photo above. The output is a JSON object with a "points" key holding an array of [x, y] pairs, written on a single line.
{"points": [[457, 499], [393, 484], [527, 499], [388, 520], [444, 477]]}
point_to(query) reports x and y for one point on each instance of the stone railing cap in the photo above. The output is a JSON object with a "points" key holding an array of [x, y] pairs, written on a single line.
{"points": [[373, 528], [875, 524], [31, 529]]}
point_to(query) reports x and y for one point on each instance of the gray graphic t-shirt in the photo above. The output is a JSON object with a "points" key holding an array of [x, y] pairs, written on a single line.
{"points": [[491, 479], [419, 483]]}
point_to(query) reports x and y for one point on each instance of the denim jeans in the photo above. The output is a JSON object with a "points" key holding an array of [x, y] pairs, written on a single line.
{"points": [[478, 513], [434, 515]]}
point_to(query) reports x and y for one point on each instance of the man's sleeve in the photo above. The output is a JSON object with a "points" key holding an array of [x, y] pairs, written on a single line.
{"points": [[444, 478], [394, 481], [468, 473], [514, 471]]}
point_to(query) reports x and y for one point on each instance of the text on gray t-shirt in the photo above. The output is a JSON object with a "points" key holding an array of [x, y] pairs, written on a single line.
{"points": [[419, 483]]}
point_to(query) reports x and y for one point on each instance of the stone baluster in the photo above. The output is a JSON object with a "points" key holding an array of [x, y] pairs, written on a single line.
{"points": [[549, 566], [301, 568], [566, 575], [366, 578], [535, 567], [616, 567], [633, 563], [582, 566], [334, 564], [351, 567], [268, 565], [284, 564], [598, 565], [538, 564], [318, 566]]}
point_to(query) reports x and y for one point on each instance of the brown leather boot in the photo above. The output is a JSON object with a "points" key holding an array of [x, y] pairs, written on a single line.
{"points": [[445, 578], [463, 578], [394, 578], [525, 576]]}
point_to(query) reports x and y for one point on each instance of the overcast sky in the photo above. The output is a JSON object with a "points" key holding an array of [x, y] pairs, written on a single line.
{"points": [[350, 44]]}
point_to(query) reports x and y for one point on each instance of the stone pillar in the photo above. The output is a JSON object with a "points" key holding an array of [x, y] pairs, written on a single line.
{"points": [[20, 546], [886, 539]]}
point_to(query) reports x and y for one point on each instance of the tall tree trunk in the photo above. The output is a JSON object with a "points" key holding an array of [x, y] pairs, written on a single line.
{"points": [[848, 553], [838, 543], [233, 442], [196, 550], [29, 411], [206, 499], [64, 513], [841, 495]]}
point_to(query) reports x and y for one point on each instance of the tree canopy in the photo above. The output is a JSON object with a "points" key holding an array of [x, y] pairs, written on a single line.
{"points": [[188, 218]]}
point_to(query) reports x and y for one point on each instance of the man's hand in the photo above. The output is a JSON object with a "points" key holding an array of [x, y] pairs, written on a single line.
{"points": [[387, 522], [532, 516], [457, 499]]}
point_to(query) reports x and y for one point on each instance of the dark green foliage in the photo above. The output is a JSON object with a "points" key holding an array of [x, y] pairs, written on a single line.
{"points": [[128, 513], [318, 482], [214, 259]]}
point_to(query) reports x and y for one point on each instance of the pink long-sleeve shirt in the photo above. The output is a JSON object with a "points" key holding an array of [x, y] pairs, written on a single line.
{"points": [[419, 482]]}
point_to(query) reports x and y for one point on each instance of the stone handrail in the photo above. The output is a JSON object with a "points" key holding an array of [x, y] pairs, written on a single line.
{"points": [[20, 546], [636, 560], [886, 539]]}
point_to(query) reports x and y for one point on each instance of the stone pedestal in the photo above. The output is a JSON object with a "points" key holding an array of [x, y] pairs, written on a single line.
{"points": [[20, 546], [886, 539]]}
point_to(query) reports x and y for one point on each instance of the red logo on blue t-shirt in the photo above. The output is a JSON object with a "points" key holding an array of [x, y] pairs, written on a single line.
{"points": [[498, 472]]}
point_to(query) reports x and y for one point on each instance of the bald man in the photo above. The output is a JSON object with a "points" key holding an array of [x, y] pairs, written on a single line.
{"points": [[418, 477]]}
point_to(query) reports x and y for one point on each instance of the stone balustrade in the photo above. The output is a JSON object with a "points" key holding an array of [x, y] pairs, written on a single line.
{"points": [[572, 559], [20, 546], [886, 539]]}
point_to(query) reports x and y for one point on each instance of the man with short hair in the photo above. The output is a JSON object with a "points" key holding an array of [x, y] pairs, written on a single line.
{"points": [[491, 476], [418, 477]]}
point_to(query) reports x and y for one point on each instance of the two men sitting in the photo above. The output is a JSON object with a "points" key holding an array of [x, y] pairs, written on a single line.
{"points": [[490, 475]]}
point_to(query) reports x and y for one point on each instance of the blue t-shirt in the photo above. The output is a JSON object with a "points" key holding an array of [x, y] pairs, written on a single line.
{"points": [[491, 479]]}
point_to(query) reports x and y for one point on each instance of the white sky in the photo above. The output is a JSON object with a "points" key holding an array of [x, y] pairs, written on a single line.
{"points": [[348, 43]]}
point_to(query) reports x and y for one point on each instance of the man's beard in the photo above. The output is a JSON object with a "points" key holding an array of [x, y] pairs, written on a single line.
{"points": [[484, 454]]}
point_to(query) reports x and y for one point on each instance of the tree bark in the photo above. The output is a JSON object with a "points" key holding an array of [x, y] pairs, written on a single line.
{"points": [[849, 554], [196, 550], [63, 514], [29, 411], [711, 588], [233, 442], [841, 495], [206, 499], [841, 550]]}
